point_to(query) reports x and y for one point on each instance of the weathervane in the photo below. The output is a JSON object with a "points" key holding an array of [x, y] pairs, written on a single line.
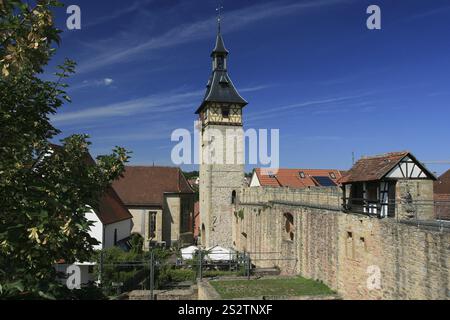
{"points": [[219, 16]]}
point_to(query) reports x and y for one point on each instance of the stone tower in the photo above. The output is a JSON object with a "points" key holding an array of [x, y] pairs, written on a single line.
{"points": [[221, 151]]}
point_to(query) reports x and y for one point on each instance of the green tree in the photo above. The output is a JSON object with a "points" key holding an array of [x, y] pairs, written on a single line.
{"points": [[43, 195]]}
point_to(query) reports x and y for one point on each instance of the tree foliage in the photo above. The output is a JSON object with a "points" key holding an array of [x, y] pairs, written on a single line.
{"points": [[45, 190]]}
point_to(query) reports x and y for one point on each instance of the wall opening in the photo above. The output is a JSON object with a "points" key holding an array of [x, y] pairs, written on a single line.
{"points": [[289, 227], [233, 197]]}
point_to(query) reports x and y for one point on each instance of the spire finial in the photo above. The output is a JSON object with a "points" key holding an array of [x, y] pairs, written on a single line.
{"points": [[219, 17]]}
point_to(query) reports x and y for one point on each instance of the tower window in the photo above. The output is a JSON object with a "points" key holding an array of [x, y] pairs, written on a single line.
{"points": [[225, 112], [152, 224], [233, 197]]}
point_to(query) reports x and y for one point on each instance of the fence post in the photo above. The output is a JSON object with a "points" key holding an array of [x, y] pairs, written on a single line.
{"points": [[248, 267], [101, 270], [152, 274], [200, 264]]}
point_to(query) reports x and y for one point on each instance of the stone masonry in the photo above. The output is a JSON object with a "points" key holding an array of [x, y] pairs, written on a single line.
{"points": [[360, 257]]}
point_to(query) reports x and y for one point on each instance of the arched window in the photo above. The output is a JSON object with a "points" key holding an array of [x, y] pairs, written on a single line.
{"points": [[233, 197], [289, 226]]}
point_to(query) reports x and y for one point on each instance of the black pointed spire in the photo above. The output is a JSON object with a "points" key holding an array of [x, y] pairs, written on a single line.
{"points": [[220, 88], [220, 46]]}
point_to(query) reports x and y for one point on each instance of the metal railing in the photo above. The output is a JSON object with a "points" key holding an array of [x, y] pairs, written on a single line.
{"points": [[430, 214], [150, 274]]}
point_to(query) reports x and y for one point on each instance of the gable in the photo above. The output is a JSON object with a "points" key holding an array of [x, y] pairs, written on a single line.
{"points": [[255, 181], [409, 168], [394, 165]]}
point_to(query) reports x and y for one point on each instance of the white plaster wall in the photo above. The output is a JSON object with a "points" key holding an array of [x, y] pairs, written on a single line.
{"points": [[255, 181], [123, 231], [96, 230]]}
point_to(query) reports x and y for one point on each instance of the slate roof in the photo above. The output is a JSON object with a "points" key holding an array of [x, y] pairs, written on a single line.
{"points": [[220, 88], [291, 177], [376, 167], [146, 186], [220, 46], [442, 185]]}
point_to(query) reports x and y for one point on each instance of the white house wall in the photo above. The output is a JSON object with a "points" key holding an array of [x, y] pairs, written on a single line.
{"points": [[123, 231], [96, 230]]}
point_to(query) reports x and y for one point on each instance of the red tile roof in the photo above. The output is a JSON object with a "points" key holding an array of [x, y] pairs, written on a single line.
{"points": [[442, 185], [291, 177], [111, 208], [442, 206], [145, 186]]}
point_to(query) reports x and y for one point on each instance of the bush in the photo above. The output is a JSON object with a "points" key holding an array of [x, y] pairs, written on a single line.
{"points": [[137, 243], [167, 274]]}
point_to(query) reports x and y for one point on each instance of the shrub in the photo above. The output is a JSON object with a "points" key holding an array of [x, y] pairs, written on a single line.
{"points": [[167, 274], [137, 243]]}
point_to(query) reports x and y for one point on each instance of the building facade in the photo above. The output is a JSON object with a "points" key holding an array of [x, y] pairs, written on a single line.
{"points": [[161, 203], [111, 222]]}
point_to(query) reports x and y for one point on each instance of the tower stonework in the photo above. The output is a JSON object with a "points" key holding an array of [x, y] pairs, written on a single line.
{"points": [[221, 152]]}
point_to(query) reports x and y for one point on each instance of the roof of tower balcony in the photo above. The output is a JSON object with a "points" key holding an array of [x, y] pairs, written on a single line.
{"points": [[220, 88], [220, 46]]}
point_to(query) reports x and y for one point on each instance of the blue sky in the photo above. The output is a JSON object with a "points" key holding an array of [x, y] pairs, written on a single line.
{"points": [[309, 68]]}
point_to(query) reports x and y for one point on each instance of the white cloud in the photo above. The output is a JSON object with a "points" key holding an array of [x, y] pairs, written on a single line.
{"points": [[158, 103], [92, 84], [107, 81], [115, 52]]}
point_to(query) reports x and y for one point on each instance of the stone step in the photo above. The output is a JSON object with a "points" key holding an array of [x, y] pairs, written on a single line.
{"points": [[266, 272]]}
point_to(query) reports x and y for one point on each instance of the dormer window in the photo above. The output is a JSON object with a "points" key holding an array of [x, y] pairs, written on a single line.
{"points": [[332, 175], [302, 175]]}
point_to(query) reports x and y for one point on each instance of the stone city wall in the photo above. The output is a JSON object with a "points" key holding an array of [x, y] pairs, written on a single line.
{"points": [[360, 257]]}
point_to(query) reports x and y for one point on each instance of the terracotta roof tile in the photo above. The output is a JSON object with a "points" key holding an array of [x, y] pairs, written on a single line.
{"points": [[442, 185], [145, 186], [111, 208], [291, 177], [442, 206], [373, 168], [376, 167]]}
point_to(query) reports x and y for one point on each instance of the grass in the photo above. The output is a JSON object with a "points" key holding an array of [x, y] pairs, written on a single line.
{"points": [[297, 286]]}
